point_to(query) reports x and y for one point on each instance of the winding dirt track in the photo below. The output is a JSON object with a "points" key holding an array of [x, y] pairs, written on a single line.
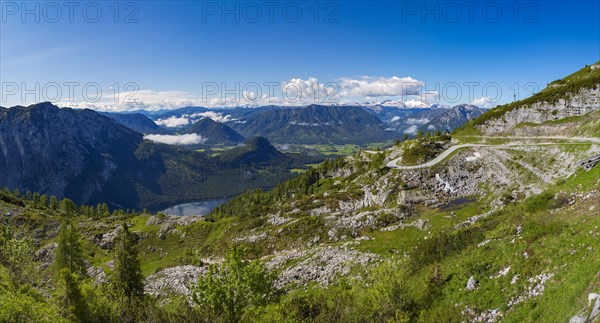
{"points": [[576, 140]]}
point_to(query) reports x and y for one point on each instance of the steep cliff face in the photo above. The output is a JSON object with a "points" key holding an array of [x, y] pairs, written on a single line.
{"points": [[64, 152], [579, 103]]}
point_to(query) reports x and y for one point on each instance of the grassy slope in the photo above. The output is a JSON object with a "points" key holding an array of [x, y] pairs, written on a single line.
{"points": [[549, 236]]}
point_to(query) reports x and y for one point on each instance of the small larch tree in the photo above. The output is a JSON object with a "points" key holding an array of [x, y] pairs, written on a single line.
{"points": [[69, 252]]}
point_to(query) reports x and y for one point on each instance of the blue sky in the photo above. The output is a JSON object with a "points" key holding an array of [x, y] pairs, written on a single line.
{"points": [[176, 53]]}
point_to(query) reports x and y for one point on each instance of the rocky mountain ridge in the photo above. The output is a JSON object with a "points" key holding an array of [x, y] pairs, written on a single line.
{"points": [[579, 103], [573, 96], [321, 124]]}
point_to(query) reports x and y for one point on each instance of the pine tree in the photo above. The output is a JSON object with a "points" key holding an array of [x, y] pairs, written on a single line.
{"points": [[127, 279], [69, 253]]}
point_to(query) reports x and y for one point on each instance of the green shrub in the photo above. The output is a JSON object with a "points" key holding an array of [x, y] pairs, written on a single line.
{"points": [[444, 244], [538, 202]]}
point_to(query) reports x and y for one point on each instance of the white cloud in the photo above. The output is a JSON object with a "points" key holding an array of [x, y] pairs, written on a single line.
{"points": [[417, 121], [431, 96], [296, 123], [187, 139], [483, 102], [416, 104], [380, 86], [148, 100], [431, 127], [215, 116], [173, 122], [294, 92], [298, 90], [186, 119], [394, 104], [411, 130], [395, 118], [282, 147]]}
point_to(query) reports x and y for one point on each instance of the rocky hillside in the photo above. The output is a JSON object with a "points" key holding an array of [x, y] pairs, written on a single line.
{"points": [[499, 234], [493, 233], [575, 95]]}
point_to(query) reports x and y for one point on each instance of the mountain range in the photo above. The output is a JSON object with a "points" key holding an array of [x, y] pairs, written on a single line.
{"points": [[313, 124], [411, 120], [91, 158]]}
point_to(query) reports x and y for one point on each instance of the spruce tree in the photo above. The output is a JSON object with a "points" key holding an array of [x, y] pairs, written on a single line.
{"points": [[127, 279]]}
